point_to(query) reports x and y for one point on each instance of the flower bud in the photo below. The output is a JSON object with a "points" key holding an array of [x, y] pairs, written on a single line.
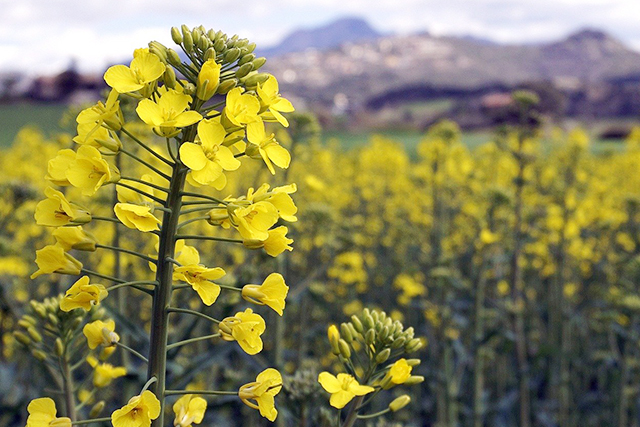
{"points": [[24, 323], [34, 334], [250, 47], [368, 321], [159, 50], [413, 345], [334, 338], [346, 332], [210, 53], [226, 86], [357, 324], [244, 70], [414, 379], [246, 58], [413, 362], [219, 45], [345, 351], [196, 35], [384, 333], [173, 58], [39, 355], [370, 336], [259, 62], [52, 319], [97, 409], [255, 79], [58, 347], [176, 35], [22, 338], [399, 403], [383, 356], [169, 78], [189, 89], [231, 55]]}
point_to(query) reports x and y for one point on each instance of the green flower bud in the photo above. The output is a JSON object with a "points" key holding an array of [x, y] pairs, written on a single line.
{"points": [[259, 62], [30, 319], [169, 78], [345, 351], [231, 55], [414, 379], [399, 342], [246, 59], [346, 332], [250, 47], [189, 89], [256, 78], [334, 339], [357, 324], [196, 35], [187, 41], [353, 331], [209, 54], [211, 35], [176, 35], [384, 333], [370, 337], [25, 324], [399, 403], [383, 356], [97, 409], [59, 347], [244, 70], [413, 362], [413, 345], [76, 323], [39, 354], [52, 319], [368, 321], [159, 50], [22, 338], [375, 316], [173, 58], [220, 45], [409, 333], [35, 335], [226, 86]]}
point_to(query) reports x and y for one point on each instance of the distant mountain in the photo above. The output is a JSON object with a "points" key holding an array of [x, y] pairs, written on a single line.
{"points": [[370, 69], [328, 36]]}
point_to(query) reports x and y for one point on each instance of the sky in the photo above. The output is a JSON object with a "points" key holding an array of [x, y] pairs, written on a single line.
{"points": [[43, 36]]}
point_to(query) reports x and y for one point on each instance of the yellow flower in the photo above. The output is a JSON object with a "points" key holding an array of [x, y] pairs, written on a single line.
{"points": [[136, 217], [278, 197], [266, 147], [210, 158], [208, 79], [168, 114], [139, 412], [108, 115], [56, 210], [97, 136], [83, 295], [53, 259], [189, 410], [57, 167], [400, 372], [75, 238], [245, 328], [270, 99], [144, 68], [199, 277], [89, 171], [104, 373], [275, 244], [272, 292], [343, 388], [100, 333], [241, 108], [254, 221], [42, 413], [263, 391]]}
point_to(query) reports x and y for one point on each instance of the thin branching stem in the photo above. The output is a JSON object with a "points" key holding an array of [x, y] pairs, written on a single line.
{"points": [[127, 251], [191, 340], [147, 164], [132, 351], [196, 237], [149, 149], [193, 313], [141, 192]]}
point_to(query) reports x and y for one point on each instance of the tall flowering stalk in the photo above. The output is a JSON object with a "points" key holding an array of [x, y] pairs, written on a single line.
{"points": [[210, 113]]}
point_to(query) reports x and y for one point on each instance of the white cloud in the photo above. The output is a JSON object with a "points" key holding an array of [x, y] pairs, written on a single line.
{"points": [[43, 35]]}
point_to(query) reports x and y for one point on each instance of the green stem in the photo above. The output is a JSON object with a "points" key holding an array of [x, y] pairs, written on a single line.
{"points": [[102, 276], [127, 251], [374, 415], [202, 208], [192, 312], [147, 164], [133, 284], [149, 149], [67, 386], [149, 184], [95, 420], [196, 237], [201, 196], [189, 221], [104, 218], [230, 288], [191, 340], [352, 415], [132, 351], [203, 392]]}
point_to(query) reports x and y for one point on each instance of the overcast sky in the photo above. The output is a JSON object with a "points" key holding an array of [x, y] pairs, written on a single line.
{"points": [[41, 36]]}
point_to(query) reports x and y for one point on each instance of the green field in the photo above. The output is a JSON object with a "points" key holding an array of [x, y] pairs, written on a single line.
{"points": [[13, 117]]}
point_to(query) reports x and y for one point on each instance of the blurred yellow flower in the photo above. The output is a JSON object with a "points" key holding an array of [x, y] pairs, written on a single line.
{"points": [[263, 390], [343, 388], [83, 295], [272, 292], [138, 412], [144, 68], [245, 328], [53, 259], [42, 413], [168, 115], [189, 410]]}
